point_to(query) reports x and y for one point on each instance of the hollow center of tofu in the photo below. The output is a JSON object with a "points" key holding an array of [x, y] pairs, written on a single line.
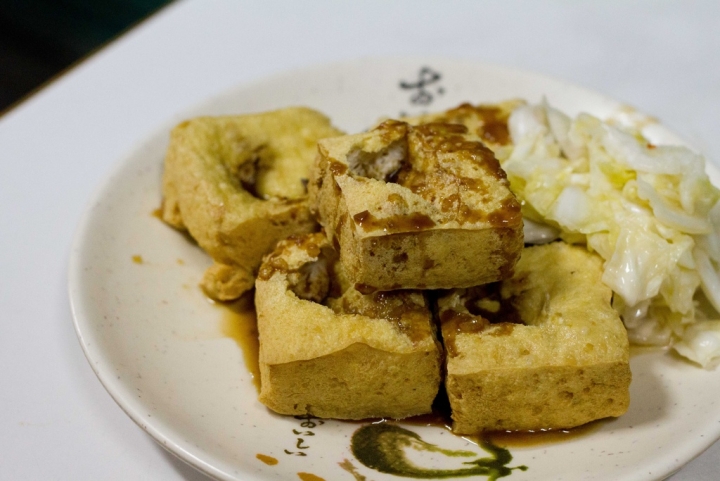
{"points": [[382, 165], [476, 309], [313, 274], [555, 309], [246, 162], [263, 171], [267, 168]]}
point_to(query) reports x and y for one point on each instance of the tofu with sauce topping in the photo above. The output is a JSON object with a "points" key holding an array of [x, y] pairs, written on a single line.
{"points": [[487, 121], [416, 207], [329, 351], [543, 350]]}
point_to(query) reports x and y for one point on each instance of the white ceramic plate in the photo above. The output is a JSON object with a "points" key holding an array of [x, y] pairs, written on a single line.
{"points": [[158, 347]]}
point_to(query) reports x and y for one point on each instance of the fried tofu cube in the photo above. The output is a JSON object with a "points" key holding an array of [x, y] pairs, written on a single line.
{"points": [[423, 207], [237, 185], [332, 352], [487, 121], [542, 350]]}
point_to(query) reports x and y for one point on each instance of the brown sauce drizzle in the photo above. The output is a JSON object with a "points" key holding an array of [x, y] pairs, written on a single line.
{"points": [[399, 307], [273, 264], [469, 184], [508, 214], [442, 134], [397, 199], [392, 130], [395, 224], [495, 132], [466, 215], [364, 288], [455, 323], [492, 166], [337, 168], [420, 183], [308, 243], [485, 309], [239, 323], [426, 173], [506, 312], [494, 128], [536, 437], [450, 202], [269, 460], [309, 477], [429, 176]]}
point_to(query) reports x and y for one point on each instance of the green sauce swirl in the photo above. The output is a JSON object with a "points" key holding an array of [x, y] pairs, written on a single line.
{"points": [[381, 447]]}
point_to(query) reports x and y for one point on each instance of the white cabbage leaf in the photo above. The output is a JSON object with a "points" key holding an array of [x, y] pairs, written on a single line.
{"points": [[649, 211]]}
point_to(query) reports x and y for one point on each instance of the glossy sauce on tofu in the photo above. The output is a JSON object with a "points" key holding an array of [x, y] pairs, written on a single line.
{"points": [[482, 308], [442, 163]]}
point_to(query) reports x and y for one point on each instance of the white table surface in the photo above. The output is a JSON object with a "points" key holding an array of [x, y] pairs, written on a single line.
{"points": [[56, 420]]}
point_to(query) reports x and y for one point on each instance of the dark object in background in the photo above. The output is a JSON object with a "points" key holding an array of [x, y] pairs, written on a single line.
{"points": [[40, 38]]}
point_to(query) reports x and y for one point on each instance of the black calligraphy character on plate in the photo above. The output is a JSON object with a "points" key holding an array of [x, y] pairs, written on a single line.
{"points": [[292, 453], [422, 95]]}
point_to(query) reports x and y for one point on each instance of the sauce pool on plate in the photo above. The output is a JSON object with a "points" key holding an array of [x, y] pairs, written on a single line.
{"points": [[239, 323]]}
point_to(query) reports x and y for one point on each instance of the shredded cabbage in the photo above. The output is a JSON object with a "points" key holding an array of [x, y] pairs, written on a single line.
{"points": [[649, 211]]}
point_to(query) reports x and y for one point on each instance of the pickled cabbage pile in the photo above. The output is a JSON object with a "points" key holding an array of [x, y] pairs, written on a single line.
{"points": [[648, 210]]}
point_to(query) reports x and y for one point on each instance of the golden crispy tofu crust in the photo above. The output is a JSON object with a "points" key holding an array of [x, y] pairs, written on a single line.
{"points": [[237, 185], [487, 121], [415, 204], [423, 207], [544, 349], [333, 352]]}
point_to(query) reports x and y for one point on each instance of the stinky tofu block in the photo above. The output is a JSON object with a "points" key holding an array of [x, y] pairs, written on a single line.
{"points": [[488, 121], [543, 350], [329, 351], [423, 207], [237, 184]]}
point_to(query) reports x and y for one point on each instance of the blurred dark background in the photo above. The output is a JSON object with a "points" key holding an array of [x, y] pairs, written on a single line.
{"points": [[41, 38]]}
